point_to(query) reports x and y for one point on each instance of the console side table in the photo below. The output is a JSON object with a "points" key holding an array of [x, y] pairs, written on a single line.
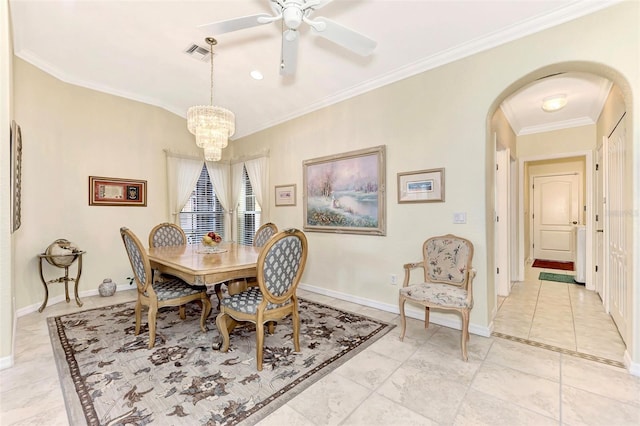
{"points": [[65, 279]]}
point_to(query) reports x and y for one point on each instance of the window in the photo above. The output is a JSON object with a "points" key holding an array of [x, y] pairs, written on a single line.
{"points": [[203, 212], [248, 212]]}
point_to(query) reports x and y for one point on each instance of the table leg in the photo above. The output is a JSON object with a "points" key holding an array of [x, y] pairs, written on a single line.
{"points": [[225, 325]]}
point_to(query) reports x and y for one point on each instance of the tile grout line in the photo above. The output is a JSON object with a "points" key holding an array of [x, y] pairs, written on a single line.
{"points": [[560, 350], [535, 309], [560, 385]]}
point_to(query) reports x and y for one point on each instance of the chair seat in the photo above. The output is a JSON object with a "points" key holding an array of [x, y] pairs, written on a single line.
{"points": [[174, 288], [438, 294], [247, 301]]}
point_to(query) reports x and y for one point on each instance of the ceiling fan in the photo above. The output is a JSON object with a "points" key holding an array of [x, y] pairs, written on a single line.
{"points": [[293, 13]]}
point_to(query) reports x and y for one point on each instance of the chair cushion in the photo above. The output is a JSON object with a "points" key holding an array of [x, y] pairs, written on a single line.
{"points": [[173, 288], [247, 302], [447, 259], [438, 294]]}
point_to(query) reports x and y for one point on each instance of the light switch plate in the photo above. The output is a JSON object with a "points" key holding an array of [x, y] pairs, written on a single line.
{"points": [[460, 217]]}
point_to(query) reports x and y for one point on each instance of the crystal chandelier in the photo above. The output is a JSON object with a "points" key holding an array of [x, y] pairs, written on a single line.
{"points": [[212, 125]]}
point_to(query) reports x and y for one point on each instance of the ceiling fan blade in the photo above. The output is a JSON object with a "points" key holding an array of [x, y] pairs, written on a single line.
{"points": [[236, 24], [289, 52], [343, 36]]}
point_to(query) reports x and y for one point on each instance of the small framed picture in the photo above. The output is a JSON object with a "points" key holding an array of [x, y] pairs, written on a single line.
{"points": [[422, 186], [285, 195], [105, 191]]}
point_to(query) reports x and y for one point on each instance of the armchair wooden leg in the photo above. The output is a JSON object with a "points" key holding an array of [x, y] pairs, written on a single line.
{"points": [[138, 311], [259, 343], [152, 325], [403, 319], [183, 314], [426, 317], [465, 334], [296, 330]]}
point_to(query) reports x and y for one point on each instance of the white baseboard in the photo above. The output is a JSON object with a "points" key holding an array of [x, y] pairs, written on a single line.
{"points": [[633, 367], [435, 317], [6, 362], [61, 298]]}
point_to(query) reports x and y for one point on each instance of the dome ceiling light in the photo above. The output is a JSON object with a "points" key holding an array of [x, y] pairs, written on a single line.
{"points": [[554, 103]]}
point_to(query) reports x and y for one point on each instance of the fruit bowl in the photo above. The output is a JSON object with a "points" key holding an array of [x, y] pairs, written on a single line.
{"points": [[211, 239]]}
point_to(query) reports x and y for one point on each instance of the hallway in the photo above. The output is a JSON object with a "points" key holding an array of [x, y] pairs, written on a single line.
{"points": [[565, 317]]}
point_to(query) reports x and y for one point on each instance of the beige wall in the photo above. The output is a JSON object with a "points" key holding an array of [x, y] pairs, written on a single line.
{"points": [[574, 139], [70, 133], [434, 119]]}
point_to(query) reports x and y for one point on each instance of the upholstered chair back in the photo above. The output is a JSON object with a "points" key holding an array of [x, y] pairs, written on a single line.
{"points": [[280, 265], [167, 234], [137, 256], [447, 259], [263, 234]]}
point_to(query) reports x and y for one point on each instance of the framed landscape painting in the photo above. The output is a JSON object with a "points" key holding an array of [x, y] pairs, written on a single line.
{"points": [[345, 193], [422, 186]]}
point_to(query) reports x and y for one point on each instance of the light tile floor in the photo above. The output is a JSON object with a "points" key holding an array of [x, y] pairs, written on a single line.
{"points": [[421, 381], [562, 315]]}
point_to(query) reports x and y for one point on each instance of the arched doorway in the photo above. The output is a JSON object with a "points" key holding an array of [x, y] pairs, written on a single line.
{"points": [[501, 136]]}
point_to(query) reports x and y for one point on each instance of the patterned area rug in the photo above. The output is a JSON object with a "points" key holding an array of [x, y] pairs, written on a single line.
{"points": [[109, 377]]}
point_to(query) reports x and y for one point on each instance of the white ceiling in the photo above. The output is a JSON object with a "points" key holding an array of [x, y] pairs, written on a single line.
{"points": [[134, 49]]}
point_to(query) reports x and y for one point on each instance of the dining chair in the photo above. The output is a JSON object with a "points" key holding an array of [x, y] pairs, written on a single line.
{"points": [[263, 234], [280, 266], [171, 291], [260, 238], [448, 277], [167, 234]]}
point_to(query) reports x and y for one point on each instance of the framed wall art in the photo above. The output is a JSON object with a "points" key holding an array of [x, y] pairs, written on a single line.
{"points": [[15, 141], [105, 191], [422, 186], [345, 193], [285, 195]]}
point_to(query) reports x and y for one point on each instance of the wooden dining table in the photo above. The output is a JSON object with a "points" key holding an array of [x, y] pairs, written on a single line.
{"points": [[201, 265]]}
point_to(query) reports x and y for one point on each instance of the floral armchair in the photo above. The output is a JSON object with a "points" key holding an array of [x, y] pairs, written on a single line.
{"points": [[448, 277]]}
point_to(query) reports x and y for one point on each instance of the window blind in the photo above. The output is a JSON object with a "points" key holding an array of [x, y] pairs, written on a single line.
{"points": [[248, 216], [203, 212]]}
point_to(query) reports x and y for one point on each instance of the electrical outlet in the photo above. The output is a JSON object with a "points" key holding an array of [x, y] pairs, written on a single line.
{"points": [[393, 278]]}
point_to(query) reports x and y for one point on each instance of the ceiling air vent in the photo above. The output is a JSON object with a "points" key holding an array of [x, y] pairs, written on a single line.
{"points": [[197, 52]]}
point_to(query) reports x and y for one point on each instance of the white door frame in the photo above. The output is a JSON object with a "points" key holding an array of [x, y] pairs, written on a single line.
{"points": [[502, 225], [589, 220]]}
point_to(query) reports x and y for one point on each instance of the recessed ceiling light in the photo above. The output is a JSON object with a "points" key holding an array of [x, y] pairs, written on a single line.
{"points": [[554, 103], [256, 75]]}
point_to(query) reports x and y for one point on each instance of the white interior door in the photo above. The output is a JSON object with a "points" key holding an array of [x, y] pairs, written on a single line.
{"points": [[615, 232], [556, 207]]}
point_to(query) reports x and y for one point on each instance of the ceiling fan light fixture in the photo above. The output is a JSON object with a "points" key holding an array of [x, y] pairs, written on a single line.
{"points": [[554, 103], [212, 125]]}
